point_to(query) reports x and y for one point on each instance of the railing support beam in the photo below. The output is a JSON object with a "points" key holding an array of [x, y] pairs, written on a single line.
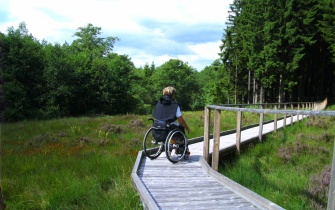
{"points": [[261, 122], [238, 131], [291, 115], [331, 194], [275, 119], [206, 133], [216, 143], [284, 116]]}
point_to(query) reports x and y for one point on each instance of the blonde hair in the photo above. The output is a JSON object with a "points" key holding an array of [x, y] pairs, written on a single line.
{"points": [[171, 91]]}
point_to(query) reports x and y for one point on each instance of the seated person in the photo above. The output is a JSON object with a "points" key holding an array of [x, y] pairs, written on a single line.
{"points": [[168, 110]]}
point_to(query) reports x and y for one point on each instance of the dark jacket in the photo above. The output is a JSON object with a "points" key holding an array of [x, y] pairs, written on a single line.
{"points": [[165, 109]]}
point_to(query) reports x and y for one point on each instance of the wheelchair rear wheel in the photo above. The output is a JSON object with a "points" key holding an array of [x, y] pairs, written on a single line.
{"points": [[176, 146], [152, 148]]}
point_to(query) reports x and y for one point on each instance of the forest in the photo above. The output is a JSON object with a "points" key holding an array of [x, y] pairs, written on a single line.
{"points": [[271, 51], [279, 50]]}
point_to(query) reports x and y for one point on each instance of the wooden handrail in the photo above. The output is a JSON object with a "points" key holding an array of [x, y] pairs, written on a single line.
{"points": [[307, 108], [238, 108]]}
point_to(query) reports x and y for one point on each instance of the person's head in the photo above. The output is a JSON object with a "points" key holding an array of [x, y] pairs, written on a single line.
{"points": [[170, 91]]}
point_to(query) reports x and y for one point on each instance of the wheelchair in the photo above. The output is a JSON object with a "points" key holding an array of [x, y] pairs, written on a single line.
{"points": [[164, 136]]}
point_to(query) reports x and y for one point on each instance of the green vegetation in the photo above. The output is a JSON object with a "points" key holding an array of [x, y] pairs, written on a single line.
{"points": [[272, 49], [72, 163], [80, 163], [85, 163], [291, 167], [40, 80]]}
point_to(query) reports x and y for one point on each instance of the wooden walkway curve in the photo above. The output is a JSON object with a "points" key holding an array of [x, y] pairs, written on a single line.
{"points": [[192, 184]]}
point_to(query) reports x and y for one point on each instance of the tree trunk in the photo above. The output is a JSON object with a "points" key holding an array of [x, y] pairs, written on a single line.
{"points": [[228, 86], [281, 93], [2, 203], [236, 82], [261, 95], [254, 97], [249, 86]]}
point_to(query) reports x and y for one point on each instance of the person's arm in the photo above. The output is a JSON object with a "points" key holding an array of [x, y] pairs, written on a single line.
{"points": [[183, 123]]}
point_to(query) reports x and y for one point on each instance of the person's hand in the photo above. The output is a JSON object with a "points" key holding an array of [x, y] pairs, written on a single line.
{"points": [[188, 130]]}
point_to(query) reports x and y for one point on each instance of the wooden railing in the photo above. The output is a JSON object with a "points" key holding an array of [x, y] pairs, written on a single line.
{"points": [[296, 109]]}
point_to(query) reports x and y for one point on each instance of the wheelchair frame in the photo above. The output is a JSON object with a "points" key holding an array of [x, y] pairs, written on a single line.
{"points": [[175, 144]]}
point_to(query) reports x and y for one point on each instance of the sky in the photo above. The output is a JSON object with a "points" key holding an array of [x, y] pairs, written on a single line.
{"points": [[150, 31]]}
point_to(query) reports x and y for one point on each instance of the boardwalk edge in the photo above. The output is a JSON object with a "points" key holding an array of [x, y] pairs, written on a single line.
{"points": [[239, 189], [147, 201]]}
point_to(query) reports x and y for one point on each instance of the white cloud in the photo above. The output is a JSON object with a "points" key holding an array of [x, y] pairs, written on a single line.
{"points": [[205, 50], [150, 30]]}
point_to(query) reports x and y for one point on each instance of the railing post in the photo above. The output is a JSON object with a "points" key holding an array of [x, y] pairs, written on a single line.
{"points": [[275, 120], [261, 120], [216, 143], [284, 116], [238, 130], [206, 134], [291, 115], [298, 114], [331, 193]]}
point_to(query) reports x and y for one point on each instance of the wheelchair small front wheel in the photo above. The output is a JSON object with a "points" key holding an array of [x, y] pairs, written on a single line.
{"points": [[176, 146], [151, 148]]}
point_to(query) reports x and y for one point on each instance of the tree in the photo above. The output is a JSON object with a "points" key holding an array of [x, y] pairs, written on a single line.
{"points": [[327, 24], [235, 55], [2, 112], [88, 55], [23, 74], [213, 83], [180, 75], [59, 74], [285, 47], [120, 86], [144, 95], [89, 40]]}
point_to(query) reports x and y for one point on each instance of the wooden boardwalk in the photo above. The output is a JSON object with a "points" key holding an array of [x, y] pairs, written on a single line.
{"points": [[192, 184]]}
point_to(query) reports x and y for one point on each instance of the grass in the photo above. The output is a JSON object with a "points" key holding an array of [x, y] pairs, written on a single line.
{"points": [[291, 167], [81, 163], [75, 163]]}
